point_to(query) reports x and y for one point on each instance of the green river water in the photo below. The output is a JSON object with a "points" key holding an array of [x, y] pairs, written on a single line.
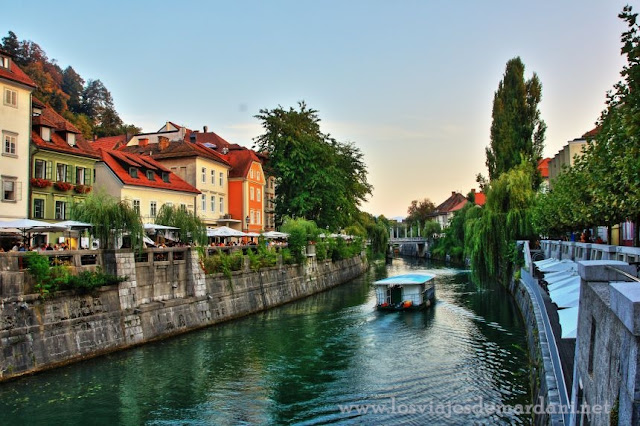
{"points": [[323, 360]]}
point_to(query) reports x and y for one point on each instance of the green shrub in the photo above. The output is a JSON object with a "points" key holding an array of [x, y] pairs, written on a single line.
{"points": [[87, 281], [38, 267], [213, 264], [287, 257]]}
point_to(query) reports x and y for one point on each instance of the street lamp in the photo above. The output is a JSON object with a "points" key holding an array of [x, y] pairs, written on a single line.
{"points": [[246, 220]]}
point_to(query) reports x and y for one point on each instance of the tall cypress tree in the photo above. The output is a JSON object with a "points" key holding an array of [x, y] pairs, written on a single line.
{"points": [[517, 131]]}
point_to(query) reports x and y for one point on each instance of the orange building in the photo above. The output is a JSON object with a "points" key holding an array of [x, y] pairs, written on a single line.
{"points": [[246, 189]]}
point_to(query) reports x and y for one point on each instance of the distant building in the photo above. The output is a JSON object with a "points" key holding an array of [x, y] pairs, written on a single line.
{"points": [[567, 155], [15, 128], [444, 212], [543, 167]]}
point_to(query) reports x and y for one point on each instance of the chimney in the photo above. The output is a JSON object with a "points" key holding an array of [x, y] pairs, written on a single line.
{"points": [[192, 137], [473, 190], [163, 143], [143, 142], [453, 193], [205, 129]]}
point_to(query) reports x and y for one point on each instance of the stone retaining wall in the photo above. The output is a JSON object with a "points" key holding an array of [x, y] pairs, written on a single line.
{"points": [[158, 299]]}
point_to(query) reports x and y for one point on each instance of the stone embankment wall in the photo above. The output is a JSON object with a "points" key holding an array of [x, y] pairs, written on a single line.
{"points": [[165, 293]]}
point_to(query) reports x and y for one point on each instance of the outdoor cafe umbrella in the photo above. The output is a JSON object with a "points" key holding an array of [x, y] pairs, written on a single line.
{"points": [[27, 226], [275, 234], [225, 231]]}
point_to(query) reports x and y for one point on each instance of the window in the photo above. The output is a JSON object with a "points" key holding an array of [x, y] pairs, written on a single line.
{"points": [[10, 140], [251, 173], [61, 172], [213, 177], [258, 217], [40, 169], [136, 206], [4, 62], [183, 207], [204, 202], [221, 205], [133, 172], [258, 175], [251, 193], [45, 133], [80, 175], [221, 179], [204, 175], [165, 177], [61, 210], [258, 193], [213, 204], [10, 97], [9, 189], [150, 175], [153, 209], [71, 139], [38, 208]]}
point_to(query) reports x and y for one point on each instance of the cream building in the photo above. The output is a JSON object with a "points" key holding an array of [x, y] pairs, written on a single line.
{"points": [[15, 127], [144, 182]]}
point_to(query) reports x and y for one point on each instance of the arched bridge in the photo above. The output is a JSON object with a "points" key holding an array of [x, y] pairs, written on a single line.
{"points": [[409, 246]]}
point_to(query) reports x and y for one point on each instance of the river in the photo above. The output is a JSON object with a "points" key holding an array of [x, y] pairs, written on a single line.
{"points": [[308, 362]]}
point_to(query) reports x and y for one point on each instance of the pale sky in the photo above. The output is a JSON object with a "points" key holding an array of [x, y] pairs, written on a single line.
{"points": [[411, 83]]}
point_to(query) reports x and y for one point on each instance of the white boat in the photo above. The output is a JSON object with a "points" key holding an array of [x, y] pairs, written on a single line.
{"points": [[408, 291]]}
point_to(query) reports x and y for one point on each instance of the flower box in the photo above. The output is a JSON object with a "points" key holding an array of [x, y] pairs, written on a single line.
{"points": [[40, 183], [82, 189], [62, 186]]}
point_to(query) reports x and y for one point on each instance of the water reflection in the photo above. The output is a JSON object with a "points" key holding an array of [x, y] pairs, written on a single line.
{"points": [[298, 363]]}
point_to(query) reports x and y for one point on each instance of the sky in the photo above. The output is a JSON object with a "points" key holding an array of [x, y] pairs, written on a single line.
{"points": [[410, 83]]}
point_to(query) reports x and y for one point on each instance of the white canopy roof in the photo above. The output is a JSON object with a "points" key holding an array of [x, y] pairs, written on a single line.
{"points": [[568, 322], [29, 225], [74, 224], [563, 265], [152, 227]]}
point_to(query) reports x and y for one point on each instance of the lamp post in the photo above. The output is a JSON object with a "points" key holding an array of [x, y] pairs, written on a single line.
{"points": [[246, 220]]}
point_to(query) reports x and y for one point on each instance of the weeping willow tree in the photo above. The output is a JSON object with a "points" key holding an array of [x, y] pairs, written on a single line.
{"points": [[111, 219], [506, 217], [190, 227]]}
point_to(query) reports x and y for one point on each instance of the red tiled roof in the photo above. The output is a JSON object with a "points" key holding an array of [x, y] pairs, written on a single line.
{"points": [[177, 150], [591, 133], [119, 162], [58, 143], [109, 142], [14, 73], [543, 166], [241, 161], [455, 202]]}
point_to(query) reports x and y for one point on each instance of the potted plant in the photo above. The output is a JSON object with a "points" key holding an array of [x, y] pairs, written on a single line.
{"points": [[62, 186], [82, 189], [40, 183]]}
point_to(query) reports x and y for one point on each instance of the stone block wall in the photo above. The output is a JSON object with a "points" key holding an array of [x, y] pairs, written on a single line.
{"points": [[155, 301]]}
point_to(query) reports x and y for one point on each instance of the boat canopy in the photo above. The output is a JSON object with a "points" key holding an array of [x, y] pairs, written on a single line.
{"points": [[406, 279]]}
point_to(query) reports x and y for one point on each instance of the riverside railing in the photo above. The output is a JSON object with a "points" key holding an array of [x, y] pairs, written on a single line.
{"points": [[573, 250]]}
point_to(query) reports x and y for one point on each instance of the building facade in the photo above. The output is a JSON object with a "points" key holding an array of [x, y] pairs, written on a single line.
{"points": [[15, 129]]}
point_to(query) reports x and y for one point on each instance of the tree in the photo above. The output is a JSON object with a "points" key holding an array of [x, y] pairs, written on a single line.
{"points": [[317, 177], [517, 131], [11, 44], [111, 219], [420, 211], [73, 85], [190, 227]]}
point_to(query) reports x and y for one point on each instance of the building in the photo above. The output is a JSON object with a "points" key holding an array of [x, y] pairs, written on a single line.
{"points": [[15, 126], [567, 155], [144, 182], [62, 165], [543, 167], [246, 189], [444, 212], [201, 167]]}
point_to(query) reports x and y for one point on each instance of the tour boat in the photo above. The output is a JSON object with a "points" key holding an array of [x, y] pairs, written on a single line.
{"points": [[404, 292]]}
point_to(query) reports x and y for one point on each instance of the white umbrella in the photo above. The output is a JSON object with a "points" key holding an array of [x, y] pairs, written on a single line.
{"points": [[69, 224], [29, 225], [225, 231], [275, 234], [252, 234], [152, 227]]}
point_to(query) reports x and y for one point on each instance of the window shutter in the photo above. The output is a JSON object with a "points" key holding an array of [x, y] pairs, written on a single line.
{"points": [[18, 192], [87, 176], [48, 170], [69, 170]]}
